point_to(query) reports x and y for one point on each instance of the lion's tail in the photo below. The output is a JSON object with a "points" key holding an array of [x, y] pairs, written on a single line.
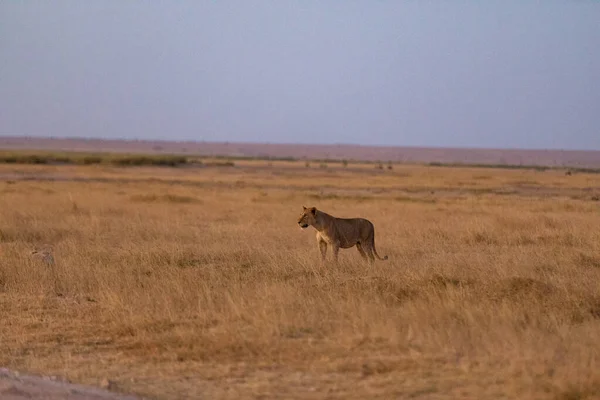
{"points": [[378, 256], [373, 245]]}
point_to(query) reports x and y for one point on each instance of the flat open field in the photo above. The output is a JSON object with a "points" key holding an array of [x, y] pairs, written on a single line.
{"points": [[196, 282]]}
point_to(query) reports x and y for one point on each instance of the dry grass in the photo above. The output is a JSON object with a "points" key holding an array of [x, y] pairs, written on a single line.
{"points": [[198, 282]]}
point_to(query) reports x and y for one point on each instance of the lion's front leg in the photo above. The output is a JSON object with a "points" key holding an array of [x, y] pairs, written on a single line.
{"points": [[336, 250], [323, 248]]}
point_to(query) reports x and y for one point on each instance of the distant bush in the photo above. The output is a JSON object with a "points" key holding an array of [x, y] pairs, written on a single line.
{"points": [[90, 159], [228, 163], [135, 160], [24, 159]]}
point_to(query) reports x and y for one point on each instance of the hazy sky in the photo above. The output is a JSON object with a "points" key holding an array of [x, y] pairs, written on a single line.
{"points": [[415, 73]]}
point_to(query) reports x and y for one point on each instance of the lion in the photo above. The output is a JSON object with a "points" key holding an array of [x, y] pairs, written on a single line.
{"points": [[341, 233]]}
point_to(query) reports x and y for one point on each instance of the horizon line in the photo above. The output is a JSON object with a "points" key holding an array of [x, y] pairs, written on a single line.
{"points": [[228, 142]]}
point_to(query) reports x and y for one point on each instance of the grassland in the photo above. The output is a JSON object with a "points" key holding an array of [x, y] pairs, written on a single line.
{"points": [[196, 282]]}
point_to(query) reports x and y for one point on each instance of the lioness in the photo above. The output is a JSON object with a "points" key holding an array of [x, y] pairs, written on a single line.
{"points": [[341, 233]]}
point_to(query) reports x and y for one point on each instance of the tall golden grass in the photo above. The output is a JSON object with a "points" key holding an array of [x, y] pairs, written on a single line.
{"points": [[198, 282]]}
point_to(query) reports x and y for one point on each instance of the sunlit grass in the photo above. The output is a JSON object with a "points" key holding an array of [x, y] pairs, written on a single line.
{"points": [[176, 283]]}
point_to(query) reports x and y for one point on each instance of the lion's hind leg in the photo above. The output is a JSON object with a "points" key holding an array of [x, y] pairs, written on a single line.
{"points": [[368, 250], [370, 254], [361, 251]]}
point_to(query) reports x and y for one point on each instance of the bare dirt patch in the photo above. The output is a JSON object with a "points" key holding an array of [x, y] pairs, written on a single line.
{"points": [[14, 386]]}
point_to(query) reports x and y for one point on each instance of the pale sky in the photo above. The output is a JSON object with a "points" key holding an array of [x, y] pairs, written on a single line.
{"points": [[516, 74]]}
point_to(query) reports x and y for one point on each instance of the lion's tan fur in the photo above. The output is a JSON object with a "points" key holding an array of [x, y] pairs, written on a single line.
{"points": [[341, 233]]}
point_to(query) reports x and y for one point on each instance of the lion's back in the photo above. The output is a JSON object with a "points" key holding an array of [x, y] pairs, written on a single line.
{"points": [[353, 228]]}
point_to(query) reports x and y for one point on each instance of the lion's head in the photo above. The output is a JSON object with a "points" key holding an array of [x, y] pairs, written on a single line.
{"points": [[308, 217]]}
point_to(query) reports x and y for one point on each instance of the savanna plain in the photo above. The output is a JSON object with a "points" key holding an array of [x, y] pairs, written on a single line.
{"points": [[196, 281]]}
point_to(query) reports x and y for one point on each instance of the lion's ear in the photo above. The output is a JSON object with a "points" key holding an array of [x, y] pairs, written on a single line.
{"points": [[304, 208], [313, 210]]}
